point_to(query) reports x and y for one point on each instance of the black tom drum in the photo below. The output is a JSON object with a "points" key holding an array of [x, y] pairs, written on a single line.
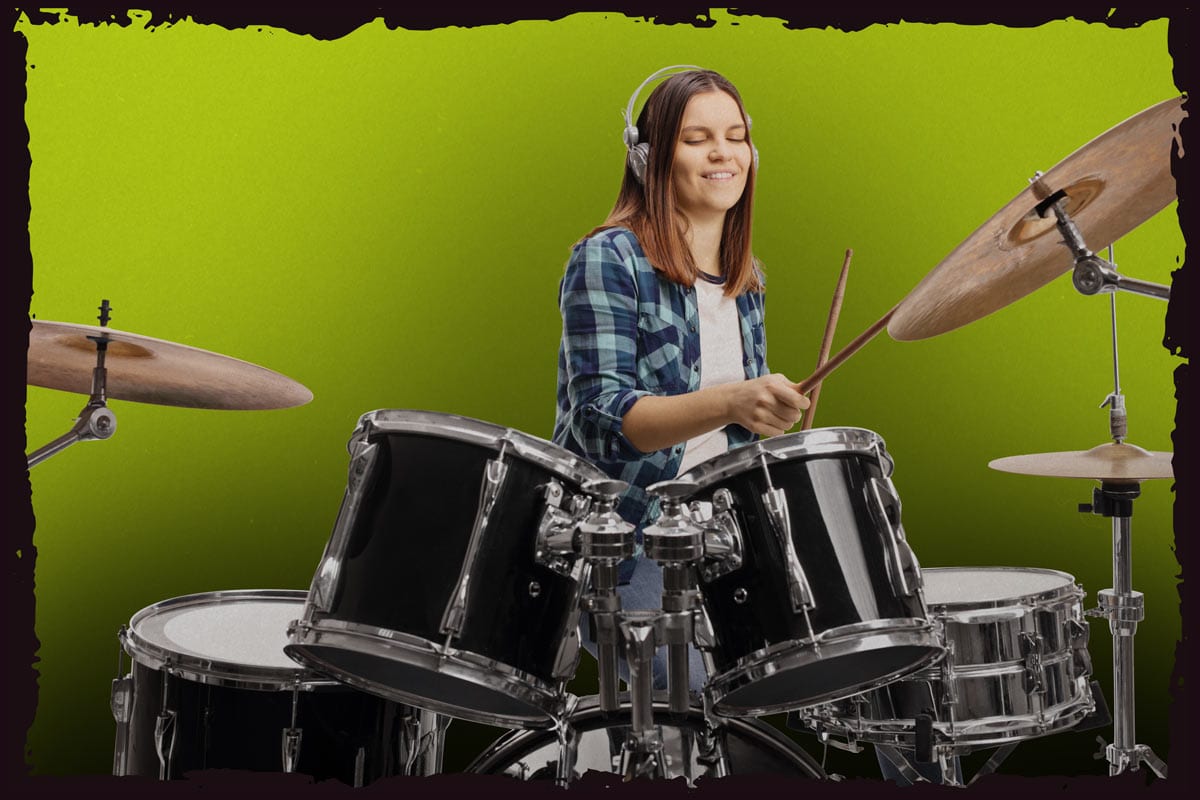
{"points": [[435, 587], [817, 594]]}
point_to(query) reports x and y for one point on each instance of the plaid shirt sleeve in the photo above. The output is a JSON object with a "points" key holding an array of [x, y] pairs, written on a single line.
{"points": [[599, 304]]}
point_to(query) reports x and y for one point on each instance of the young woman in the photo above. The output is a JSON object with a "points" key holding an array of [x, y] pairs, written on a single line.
{"points": [[662, 362]]}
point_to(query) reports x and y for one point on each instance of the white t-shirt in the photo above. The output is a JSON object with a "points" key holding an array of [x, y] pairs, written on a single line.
{"points": [[720, 362]]}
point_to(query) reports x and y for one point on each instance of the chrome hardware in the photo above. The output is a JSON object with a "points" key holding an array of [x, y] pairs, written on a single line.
{"points": [[903, 570], [740, 595], [798, 587], [535, 588], [291, 748], [489, 489], [723, 541], [706, 637], [121, 703], [1032, 648], [164, 742], [605, 539], [556, 540], [363, 461]]}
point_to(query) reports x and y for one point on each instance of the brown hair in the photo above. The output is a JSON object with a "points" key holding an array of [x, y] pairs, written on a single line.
{"points": [[650, 210]]}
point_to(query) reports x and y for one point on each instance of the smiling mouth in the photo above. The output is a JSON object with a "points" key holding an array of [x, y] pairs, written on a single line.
{"points": [[718, 176]]}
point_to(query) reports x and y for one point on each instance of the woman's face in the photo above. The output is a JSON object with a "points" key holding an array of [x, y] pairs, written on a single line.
{"points": [[712, 157]]}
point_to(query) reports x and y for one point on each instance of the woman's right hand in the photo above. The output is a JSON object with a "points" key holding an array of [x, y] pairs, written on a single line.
{"points": [[769, 405]]}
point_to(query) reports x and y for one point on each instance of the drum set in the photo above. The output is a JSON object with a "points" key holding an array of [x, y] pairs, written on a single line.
{"points": [[466, 557]]}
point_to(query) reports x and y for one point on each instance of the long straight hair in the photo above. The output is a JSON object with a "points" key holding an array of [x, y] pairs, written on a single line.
{"points": [[650, 210]]}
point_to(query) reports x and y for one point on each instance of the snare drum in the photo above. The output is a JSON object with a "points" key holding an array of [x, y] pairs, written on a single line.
{"points": [[1016, 666], [210, 687], [817, 594], [693, 749], [435, 587]]}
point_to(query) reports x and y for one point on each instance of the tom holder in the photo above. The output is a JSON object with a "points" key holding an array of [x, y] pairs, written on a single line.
{"points": [[677, 543], [605, 540], [95, 421]]}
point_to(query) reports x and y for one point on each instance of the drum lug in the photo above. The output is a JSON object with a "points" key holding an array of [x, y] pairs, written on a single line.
{"points": [[706, 637], [121, 702], [363, 459], [723, 541], [1032, 647], [1081, 659], [489, 490], [164, 742], [291, 740], [566, 660], [903, 569], [798, 587]]}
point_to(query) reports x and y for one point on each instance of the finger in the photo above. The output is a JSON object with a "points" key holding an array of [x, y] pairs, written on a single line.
{"points": [[786, 395]]}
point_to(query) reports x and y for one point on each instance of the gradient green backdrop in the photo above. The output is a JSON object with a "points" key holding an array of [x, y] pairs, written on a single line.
{"points": [[384, 217]]}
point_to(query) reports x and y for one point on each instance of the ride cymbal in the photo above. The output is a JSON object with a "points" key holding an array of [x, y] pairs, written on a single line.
{"points": [[146, 370], [1118, 463], [1112, 184]]}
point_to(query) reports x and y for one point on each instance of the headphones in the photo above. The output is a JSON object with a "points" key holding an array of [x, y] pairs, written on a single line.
{"points": [[638, 153]]}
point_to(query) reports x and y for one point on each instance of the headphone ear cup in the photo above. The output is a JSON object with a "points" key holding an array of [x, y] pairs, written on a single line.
{"points": [[638, 157]]}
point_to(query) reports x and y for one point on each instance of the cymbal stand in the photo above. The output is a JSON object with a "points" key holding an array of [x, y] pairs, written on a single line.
{"points": [[1123, 606], [96, 420]]}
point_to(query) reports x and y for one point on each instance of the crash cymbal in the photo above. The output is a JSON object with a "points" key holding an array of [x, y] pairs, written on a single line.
{"points": [[146, 370], [1112, 184], [1118, 463]]}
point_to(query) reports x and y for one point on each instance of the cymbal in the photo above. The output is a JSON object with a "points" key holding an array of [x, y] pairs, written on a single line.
{"points": [[1113, 184], [1120, 463], [146, 370]]}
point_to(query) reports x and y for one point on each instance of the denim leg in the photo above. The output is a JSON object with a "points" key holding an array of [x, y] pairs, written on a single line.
{"points": [[644, 592]]}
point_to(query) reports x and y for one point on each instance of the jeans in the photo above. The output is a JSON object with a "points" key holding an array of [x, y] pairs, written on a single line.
{"points": [[643, 592]]}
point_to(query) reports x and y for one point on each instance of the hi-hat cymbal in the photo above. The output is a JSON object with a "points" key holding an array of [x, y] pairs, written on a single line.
{"points": [[1118, 463], [146, 370], [1113, 184]]}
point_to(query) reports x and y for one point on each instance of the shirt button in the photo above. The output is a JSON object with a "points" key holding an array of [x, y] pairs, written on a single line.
{"points": [[692, 326]]}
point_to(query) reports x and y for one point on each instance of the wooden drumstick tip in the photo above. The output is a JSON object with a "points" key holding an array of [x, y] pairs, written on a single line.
{"points": [[835, 310]]}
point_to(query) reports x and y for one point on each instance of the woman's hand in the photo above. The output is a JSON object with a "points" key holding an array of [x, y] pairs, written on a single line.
{"points": [[769, 405]]}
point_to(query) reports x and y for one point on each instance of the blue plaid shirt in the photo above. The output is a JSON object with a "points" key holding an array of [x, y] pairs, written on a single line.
{"points": [[629, 332]]}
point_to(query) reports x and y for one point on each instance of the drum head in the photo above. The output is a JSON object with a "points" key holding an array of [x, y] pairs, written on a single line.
{"points": [[956, 588], [224, 638]]}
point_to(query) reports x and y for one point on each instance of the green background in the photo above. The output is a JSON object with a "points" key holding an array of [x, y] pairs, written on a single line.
{"points": [[384, 217]]}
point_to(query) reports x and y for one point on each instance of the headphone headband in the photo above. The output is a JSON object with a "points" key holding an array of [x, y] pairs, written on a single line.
{"points": [[631, 134]]}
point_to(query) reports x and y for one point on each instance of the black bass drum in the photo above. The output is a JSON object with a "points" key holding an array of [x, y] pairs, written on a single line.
{"points": [[693, 749], [211, 688]]}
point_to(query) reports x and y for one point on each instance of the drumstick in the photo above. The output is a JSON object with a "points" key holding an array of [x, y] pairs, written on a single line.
{"points": [[835, 308], [829, 366]]}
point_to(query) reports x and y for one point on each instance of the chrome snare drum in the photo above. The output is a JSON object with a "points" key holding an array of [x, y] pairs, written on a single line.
{"points": [[210, 687], [435, 588], [817, 594], [1016, 666]]}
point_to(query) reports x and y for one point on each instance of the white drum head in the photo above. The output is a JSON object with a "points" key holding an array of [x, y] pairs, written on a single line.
{"points": [[222, 636], [948, 587]]}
